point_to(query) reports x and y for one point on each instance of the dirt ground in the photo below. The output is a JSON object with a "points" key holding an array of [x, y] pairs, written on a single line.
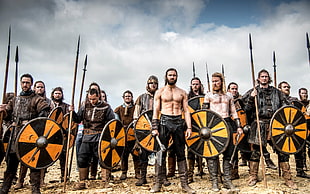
{"points": [[275, 184]]}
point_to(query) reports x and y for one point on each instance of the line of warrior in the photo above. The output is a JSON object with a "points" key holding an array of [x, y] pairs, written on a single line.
{"points": [[171, 120], [181, 128]]}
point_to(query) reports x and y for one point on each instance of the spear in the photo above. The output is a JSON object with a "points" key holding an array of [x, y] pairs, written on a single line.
{"points": [[83, 78], [308, 46], [5, 80], [208, 80], [194, 74], [71, 112], [224, 83], [16, 71], [274, 69], [81, 93], [257, 116]]}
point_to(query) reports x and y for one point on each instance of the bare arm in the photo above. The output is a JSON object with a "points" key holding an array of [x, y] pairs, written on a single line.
{"points": [[187, 116]]}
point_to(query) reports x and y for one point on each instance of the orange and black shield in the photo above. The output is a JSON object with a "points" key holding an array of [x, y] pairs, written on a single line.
{"points": [[112, 144], [39, 143], [288, 130], [195, 103], [57, 115], [74, 128], [143, 131], [210, 134]]}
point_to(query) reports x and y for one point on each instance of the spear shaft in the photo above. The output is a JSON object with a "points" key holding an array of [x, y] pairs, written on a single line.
{"points": [[194, 73], [71, 112], [5, 81], [224, 82], [308, 46], [80, 99], [16, 71], [257, 116], [208, 80], [274, 69]]}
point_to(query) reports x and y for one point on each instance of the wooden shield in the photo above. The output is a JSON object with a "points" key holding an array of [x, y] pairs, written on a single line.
{"points": [[195, 103], [74, 128], [112, 144], [210, 134], [288, 130], [39, 143], [143, 132], [57, 115]]}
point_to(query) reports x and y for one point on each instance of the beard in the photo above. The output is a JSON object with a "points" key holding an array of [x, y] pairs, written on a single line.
{"points": [[171, 82]]}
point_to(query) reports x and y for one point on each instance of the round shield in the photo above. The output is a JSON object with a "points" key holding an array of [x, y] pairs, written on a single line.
{"points": [[195, 103], [39, 143], [112, 144], [143, 132], [210, 134], [74, 126], [288, 130], [6, 137], [57, 115]]}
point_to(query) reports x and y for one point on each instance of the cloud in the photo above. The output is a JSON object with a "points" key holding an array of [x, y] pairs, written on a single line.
{"points": [[126, 41]]}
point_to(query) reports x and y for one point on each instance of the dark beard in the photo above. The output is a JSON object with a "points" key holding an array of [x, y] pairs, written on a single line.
{"points": [[171, 83]]}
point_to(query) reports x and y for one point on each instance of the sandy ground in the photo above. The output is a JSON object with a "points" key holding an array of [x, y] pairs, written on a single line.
{"points": [[275, 184]]}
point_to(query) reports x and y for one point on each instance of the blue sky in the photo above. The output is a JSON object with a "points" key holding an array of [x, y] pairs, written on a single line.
{"points": [[128, 40]]}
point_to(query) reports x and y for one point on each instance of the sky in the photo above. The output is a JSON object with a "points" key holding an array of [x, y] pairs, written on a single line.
{"points": [[126, 41]]}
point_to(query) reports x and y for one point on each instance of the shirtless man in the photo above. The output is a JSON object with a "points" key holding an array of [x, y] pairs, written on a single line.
{"points": [[171, 102]]}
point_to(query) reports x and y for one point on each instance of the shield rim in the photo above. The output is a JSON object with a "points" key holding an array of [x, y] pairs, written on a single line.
{"points": [[271, 130], [194, 98], [19, 134]]}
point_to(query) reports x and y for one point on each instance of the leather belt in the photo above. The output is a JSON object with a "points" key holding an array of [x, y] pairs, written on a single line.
{"points": [[91, 132]]}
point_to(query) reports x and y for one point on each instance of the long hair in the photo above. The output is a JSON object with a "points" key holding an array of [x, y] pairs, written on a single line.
{"points": [[201, 89], [170, 69], [129, 92], [263, 71], [57, 89]]}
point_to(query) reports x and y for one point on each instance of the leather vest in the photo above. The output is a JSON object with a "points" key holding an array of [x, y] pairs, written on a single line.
{"points": [[95, 116]]}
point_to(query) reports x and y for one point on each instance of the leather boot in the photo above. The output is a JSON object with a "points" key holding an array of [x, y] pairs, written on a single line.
{"points": [[166, 182], [142, 179], [269, 162], [253, 173], [105, 175], [243, 160], [171, 166], [7, 182], [93, 170], [200, 167], [191, 166], [286, 173], [137, 169], [35, 181], [227, 168], [158, 179], [21, 178], [213, 171], [182, 167], [299, 168], [42, 177], [235, 173], [83, 174]]}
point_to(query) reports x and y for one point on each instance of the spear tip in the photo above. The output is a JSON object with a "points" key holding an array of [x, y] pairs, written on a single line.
{"points": [[16, 55], [250, 40], [308, 44]]}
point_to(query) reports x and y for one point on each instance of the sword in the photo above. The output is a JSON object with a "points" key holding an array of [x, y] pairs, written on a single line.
{"points": [[159, 154], [232, 162]]}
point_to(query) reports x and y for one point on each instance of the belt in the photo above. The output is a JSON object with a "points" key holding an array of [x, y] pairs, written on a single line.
{"points": [[91, 132], [20, 123]]}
